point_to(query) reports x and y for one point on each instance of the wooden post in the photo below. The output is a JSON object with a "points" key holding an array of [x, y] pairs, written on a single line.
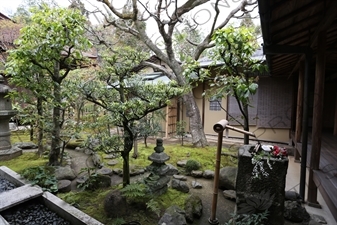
{"points": [[299, 110], [317, 117], [335, 126]]}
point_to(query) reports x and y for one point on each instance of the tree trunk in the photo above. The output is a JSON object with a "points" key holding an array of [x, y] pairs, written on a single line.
{"points": [[196, 129], [40, 126], [128, 143], [246, 124], [55, 140], [145, 141]]}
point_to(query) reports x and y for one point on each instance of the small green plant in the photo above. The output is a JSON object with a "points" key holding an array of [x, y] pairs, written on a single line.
{"points": [[181, 130], [138, 193], [249, 219], [42, 176], [93, 181], [134, 191], [192, 165]]}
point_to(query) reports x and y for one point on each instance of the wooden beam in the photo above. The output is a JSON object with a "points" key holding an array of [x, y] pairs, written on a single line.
{"points": [[317, 121], [285, 49], [329, 17], [335, 124]]}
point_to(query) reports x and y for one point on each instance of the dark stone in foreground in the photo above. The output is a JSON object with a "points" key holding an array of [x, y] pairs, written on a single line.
{"points": [[295, 212], [264, 193], [227, 177], [180, 185], [173, 216], [115, 204], [193, 208]]}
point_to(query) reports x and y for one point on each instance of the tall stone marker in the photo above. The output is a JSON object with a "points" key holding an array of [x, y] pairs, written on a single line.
{"points": [[7, 152], [266, 192]]}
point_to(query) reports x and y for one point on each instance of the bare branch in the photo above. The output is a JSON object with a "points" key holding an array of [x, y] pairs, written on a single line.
{"points": [[167, 72], [205, 43], [126, 16]]}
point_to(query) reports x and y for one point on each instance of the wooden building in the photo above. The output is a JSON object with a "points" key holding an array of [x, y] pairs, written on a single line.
{"points": [[300, 43]]}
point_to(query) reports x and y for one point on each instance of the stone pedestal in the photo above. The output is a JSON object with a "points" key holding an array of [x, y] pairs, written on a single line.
{"points": [[6, 112], [255, 195]]}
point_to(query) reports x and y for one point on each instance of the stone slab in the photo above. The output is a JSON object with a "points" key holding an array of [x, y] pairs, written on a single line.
{"points": [[11, 176], [19, 195], [3, 221]]}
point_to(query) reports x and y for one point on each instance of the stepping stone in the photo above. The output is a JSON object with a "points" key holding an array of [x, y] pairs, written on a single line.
{"points": [[182, 163], [113, 162], [64, 186], [208, 174], [117, 171], [81, 180], [196, 185], [180, 177], [105, 171], [196, 173], [229, 194]]}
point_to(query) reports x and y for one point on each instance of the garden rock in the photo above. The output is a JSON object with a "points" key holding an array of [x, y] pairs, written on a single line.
{"points": [[64, 173], [208, 174], [105, 171], [115, 204], [197, 173], [171, 170], [292, 196], [180, 185], [135, 172], [196, 185], [229, 194], [117, 171], [96, 159], [227, 177], [180, 177], [182, 163], [111, 156], [64, 186], [295, 212], [173, 216], [81, 180], [318, 218], [193, 208], [25, 145]]}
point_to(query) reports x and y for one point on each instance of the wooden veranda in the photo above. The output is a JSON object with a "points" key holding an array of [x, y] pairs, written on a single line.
{"points": [[325, 177], [300, 43]]}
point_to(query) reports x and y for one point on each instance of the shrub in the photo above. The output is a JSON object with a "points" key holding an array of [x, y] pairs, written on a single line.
{"points": [[42, 176], [192, 165]]}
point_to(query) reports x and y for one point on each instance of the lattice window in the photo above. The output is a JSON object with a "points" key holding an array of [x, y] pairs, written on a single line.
{"points": [[215, 104]]}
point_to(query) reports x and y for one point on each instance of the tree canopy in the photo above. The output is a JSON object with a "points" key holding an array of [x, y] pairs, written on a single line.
{"points": [[47, 50]]}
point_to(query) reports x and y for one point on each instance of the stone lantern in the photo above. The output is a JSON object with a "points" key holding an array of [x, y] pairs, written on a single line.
{"points": [[157, 180], [6, 112]]}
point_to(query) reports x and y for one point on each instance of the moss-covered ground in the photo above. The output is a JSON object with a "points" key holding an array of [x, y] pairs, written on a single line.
{"points": [[92, 202]]}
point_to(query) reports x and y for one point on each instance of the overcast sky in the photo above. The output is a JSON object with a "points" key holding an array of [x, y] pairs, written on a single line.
{"points": [[8, 7], [203, 14]]}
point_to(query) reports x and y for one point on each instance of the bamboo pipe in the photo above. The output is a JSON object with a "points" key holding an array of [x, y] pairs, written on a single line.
{"points": [[219, 127]]}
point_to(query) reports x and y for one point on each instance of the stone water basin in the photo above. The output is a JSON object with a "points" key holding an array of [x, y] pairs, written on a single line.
{"points": [[26, 193]]}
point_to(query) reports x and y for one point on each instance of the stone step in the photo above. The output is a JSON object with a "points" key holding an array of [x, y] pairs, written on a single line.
{"points": [[18, 195]]}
